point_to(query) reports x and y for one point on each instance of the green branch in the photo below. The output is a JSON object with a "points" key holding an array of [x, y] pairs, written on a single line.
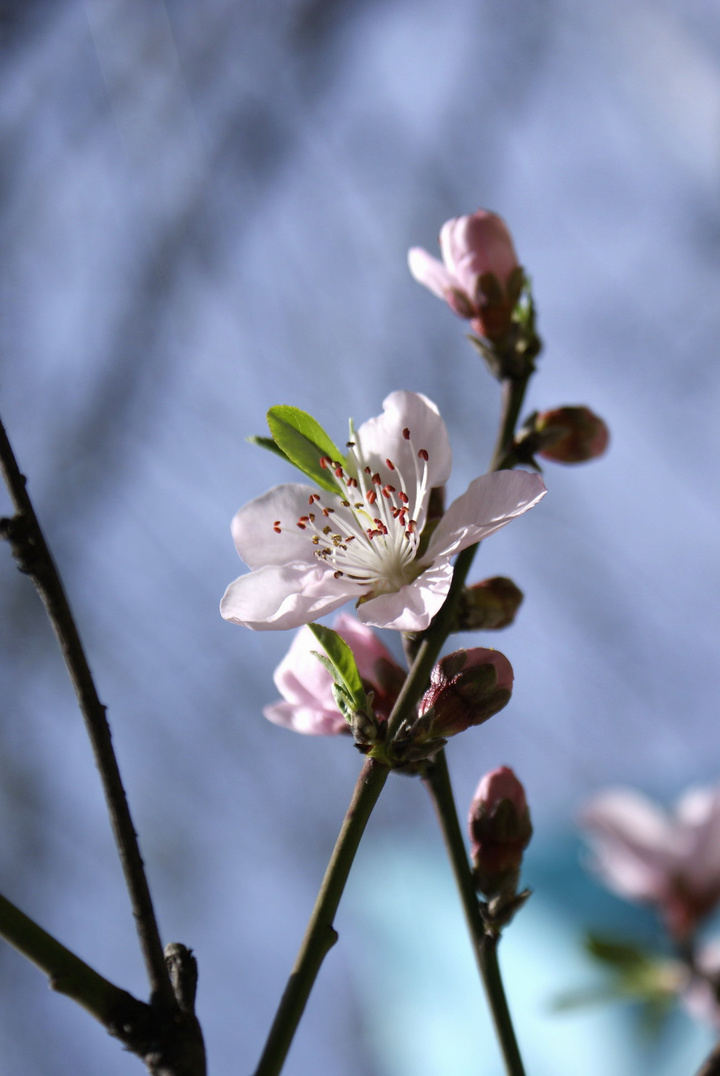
{"points": [[484, 943], [320, 935]]}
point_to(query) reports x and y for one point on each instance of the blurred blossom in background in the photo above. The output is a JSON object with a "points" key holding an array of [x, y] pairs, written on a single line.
{"points": [[206, 210]]}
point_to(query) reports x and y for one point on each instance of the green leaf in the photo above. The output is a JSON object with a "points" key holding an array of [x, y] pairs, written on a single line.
{"points": [[618, 954], [269, 444], [303, 441], [341, 665]]}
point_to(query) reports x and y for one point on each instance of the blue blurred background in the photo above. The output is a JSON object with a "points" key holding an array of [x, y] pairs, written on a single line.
{"points": [[205, 210]]}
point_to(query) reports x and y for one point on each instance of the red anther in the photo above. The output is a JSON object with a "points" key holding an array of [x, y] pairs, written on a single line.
{"points": [[371, 496], [277, 529], [326, 511], [350, 538], [352, 483], [338, 472], [411, 527], [404, 497], [390, 464], [406, 434], [367, 470], [303, 519], [336, 575], [325, 462], [301, 525], [388, 490], [423, 455], [376, 480]]}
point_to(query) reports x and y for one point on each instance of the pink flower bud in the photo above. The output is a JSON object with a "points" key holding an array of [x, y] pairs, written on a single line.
{"points": [[489, 605], [500, 831], [466, 688], [571, 435], [479, 276]]}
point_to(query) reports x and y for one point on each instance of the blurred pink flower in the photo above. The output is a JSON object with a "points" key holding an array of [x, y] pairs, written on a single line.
{"points": [[699, 992], [306, 685], [471, 247], [311, 551], [669, 860]]}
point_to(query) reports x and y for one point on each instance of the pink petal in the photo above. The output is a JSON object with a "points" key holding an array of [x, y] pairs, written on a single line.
{"points": [[698, 814], [488, 504], [476, 244], [306, 719], [430, 272], [283, 596], [300, 678], [364, 643], [634, 843], [382, 438]]}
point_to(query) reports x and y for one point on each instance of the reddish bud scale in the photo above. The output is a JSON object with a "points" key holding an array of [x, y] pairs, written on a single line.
{"points": [[467, 688], [571, 435]]}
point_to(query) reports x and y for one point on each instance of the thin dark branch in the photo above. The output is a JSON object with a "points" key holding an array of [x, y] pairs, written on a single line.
{"points": [[34, 558], [711, 1066]]}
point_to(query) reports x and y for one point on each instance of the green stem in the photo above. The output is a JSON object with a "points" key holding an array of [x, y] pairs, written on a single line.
{"points": [[513, 394], [320, 935], [484, 944]]}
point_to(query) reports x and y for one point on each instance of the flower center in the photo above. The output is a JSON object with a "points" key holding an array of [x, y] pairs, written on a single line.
{"points": [[369, 532]]}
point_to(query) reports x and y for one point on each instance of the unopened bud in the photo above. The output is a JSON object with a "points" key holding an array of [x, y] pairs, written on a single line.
{"points": [[466, 688], [571, 435], [489, 605], [500, 831]]}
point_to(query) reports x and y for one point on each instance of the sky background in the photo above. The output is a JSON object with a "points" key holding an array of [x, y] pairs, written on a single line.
{"points": [[204, 211]]}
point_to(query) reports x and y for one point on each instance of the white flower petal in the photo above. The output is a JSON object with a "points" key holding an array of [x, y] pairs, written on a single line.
{"points": [[283, 596], [413, 606], [382, 438], [488, 504], [253, 527]]}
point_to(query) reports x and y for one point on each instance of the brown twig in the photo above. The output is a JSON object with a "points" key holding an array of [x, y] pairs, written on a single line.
{"points": [[711, 1065], [34, 558]]}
